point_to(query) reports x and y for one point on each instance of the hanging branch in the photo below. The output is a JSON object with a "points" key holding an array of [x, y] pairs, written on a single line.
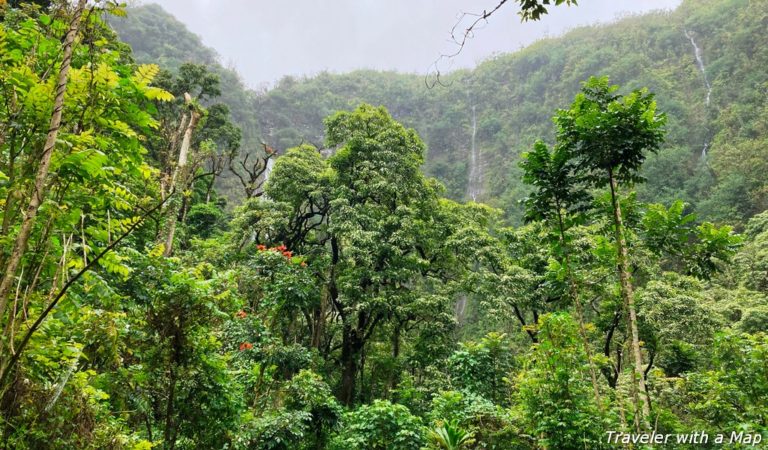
{"points": [[529, 10]]}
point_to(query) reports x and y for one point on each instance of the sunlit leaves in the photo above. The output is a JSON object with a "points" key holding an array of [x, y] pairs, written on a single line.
{"points": [[155, 93], [701, 248], [145, 73]]}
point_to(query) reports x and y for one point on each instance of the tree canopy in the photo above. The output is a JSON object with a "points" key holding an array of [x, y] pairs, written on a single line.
{"points": [[348, 299]]}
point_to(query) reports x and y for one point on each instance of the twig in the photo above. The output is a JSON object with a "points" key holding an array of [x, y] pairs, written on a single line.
{"points": [[462, 41]]}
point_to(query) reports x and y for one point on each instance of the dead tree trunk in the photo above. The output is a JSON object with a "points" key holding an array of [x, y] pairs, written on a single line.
{"points": [[179, 179]]}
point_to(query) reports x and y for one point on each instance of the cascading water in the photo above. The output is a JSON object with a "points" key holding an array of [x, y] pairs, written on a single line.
{"points": [[461, 309], [700, 64], [475, 173], [268, 170]]}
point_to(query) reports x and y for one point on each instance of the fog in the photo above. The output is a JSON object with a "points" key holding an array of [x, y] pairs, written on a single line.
{"points": [[268, 39]]}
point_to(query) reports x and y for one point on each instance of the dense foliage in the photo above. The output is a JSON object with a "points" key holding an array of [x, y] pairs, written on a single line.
{"points": [[350, 301], [713, 158]]}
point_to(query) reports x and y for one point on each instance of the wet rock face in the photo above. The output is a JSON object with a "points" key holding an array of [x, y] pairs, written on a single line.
{"points": [[700, 64]]}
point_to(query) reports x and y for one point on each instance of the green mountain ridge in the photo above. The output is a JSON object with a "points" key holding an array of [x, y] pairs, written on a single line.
{"points": [[513, 96], [347, 304]]}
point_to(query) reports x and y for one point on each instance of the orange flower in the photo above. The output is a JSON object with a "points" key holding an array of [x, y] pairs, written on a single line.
{"points": [[303, 264], [281, 248], [246, 346], [242, 314], [261, 247], [288, 254]]}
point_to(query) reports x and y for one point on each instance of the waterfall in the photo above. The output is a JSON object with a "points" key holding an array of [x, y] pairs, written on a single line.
{"points": [[700, 63], [265, 175], [475, 173], [461, 309], [268, 170]]}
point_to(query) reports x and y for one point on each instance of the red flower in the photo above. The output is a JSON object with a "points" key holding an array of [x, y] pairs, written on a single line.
{"points": [[241, 314], [281, 248], [288, 254], [246, 346], [261, 247]]}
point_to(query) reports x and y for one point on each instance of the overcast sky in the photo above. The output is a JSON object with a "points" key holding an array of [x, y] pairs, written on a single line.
{"points": [[267, 39]]}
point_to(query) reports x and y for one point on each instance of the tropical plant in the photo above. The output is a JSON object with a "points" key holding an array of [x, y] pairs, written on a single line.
{"points": [[449, 436]]}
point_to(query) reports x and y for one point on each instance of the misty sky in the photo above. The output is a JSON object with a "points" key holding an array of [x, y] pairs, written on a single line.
{"points": [[267, 39]]}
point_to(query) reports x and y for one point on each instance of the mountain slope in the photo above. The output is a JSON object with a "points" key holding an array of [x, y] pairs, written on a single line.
{"points": [[478, 124]]}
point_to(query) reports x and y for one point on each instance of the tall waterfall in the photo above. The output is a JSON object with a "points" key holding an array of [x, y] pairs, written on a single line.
{"points": [[700, 63], [461, 309], [475, 184], [268, 170]]}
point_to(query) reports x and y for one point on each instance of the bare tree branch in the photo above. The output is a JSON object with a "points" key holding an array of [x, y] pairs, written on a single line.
{"points": [[529, 10]]}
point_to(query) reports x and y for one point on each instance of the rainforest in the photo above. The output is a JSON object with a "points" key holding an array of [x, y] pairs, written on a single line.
{"points": [[563, 247]]}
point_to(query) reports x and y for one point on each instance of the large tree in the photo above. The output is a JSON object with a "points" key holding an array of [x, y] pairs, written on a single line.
{"points": [[372, 228], [610, 135]]}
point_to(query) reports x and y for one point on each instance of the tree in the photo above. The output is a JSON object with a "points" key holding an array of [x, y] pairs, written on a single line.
{"points": [[176, 367], [559, 198], [100, 185], [369, 221], [481, 367], [554, 396], [379, 426], [609, 136], [194, 142], [38, 195]]}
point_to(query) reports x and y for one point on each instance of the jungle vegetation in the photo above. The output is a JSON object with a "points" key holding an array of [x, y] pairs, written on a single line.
{"points": [[190, 264]]}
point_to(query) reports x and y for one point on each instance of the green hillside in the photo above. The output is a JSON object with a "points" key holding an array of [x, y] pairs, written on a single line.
{"points": [[340, 297], [514, 95]]}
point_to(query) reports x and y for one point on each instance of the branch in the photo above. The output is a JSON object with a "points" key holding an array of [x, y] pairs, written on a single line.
{"points": [[461, 42], [529, 10], [63, 291]]}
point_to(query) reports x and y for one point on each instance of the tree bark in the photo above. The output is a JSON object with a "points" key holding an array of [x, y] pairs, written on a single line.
{"points": [[394, 376], [178, 181], [38, 195], [350, 353], [318, 329], [173, 367], [643, 409]]}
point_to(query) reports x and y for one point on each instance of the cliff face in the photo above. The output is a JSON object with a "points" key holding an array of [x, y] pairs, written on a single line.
{"points": [[705, 61]]}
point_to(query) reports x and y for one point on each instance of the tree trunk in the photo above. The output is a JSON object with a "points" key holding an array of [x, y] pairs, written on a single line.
{"points": [[643, 409], [394, 376], [318, 328], [178, 181], [38, 194], [209, 189], [350, 353]]}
